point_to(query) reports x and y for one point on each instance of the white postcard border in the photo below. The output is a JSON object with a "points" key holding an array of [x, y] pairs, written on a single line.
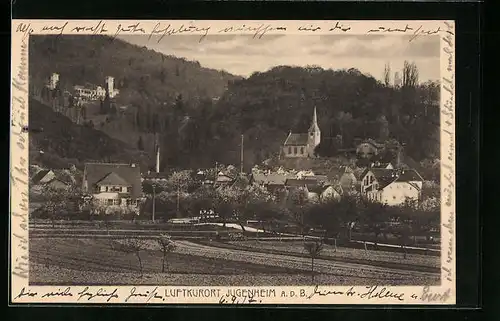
{"points": [[22, 292]]}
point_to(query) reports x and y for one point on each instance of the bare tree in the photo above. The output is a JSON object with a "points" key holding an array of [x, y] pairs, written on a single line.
{"points": [[410, 75], [167, 246], [313, 249], [387, 75], [129, 246]]}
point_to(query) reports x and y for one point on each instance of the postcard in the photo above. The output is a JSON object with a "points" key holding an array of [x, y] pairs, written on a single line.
{"points": [[232, 162]]}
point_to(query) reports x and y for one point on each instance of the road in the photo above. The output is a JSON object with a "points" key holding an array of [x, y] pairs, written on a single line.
{"points": [[388, 275]]}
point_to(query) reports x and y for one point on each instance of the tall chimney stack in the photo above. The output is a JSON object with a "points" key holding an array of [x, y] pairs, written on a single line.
{"points": [[157, 156]]}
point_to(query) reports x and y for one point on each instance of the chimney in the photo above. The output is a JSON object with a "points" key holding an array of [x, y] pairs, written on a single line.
{"points": [[157, 159]]}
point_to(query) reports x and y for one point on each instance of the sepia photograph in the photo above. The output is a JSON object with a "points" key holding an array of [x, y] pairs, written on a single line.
{"points": [[235, 160]]}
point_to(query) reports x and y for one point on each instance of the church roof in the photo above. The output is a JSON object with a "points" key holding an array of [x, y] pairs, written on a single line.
{"points": [[296, 140]]}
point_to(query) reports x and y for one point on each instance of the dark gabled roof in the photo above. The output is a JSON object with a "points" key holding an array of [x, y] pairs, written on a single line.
{"points": [[309, 183], [318, 189], [113, 179], [384, 176], [57, 180], [38, 176], [296, 140], [387, 176], [409, 175], [317, 178], [95, 172]]}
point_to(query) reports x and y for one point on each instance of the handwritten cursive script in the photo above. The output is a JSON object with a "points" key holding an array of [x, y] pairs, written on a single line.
{"points": [[169, 30], [87, 293], [375, 292], [148, 295]]}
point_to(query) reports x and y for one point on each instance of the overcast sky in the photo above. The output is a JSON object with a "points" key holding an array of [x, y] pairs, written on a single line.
{"points": [[243, 55]]}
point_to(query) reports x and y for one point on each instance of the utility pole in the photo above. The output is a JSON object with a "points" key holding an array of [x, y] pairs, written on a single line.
{"points": [[154, 202], [178, 198], [241, 155]]}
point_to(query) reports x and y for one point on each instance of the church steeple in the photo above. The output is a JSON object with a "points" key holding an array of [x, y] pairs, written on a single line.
{"points": [[314, 124], [314, 134]]}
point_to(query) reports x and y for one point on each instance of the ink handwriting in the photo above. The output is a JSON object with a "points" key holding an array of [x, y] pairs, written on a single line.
{"points": [[85, 293], [258, 32], [170, 30], [149, 295]]}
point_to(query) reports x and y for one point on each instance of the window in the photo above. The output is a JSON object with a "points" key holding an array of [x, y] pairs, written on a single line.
{"points": [[371, 179], [116, 202], [289, 150], [114, 189], [110, 202], [295, 150], [311, 134], [302, 150]]}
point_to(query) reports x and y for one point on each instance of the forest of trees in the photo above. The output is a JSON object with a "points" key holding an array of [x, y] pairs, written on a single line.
{"points": [[268, 105]]}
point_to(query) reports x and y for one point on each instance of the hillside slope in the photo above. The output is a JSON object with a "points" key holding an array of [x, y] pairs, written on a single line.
{"points": [[63, 142], [143, 76]]}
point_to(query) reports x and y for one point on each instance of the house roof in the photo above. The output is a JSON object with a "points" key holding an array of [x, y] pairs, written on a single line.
{"points": [[384, 176], [113, 179], [387, 176], [224, 178], [95, 172], [270, 179], [58, 174], [409, 175], [57, 180], [39, 176], [296, 140], [309, 183], [317, 178]]}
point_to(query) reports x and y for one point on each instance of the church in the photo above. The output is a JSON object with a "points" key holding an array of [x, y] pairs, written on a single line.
{"points": [[302, 145]]}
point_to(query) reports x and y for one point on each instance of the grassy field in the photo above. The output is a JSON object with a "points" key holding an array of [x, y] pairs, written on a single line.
{"points": [[344, 253], [67, 261]]}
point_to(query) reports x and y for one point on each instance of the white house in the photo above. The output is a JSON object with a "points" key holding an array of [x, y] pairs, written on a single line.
{"points": [[391, 187], [113, 184]]}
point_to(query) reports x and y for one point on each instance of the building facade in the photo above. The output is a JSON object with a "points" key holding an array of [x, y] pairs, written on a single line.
{"points": [[302, 145], [391, 187], [113, 184]]}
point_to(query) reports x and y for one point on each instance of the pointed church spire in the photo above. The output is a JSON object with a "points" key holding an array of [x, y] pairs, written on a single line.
{"points": [[314, 124]]}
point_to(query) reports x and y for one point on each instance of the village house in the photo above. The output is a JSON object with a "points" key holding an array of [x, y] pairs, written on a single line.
{"points": [[224, 179], [113, 184], [302, 145], [50, 178], [391, 187], [94, 92], [317, 191], [273, 182], [369, 148]]}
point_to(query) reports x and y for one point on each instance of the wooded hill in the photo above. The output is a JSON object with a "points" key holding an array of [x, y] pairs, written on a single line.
{"points": [[174, 98], [144, 77], [266, 106], [56, 142]]}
